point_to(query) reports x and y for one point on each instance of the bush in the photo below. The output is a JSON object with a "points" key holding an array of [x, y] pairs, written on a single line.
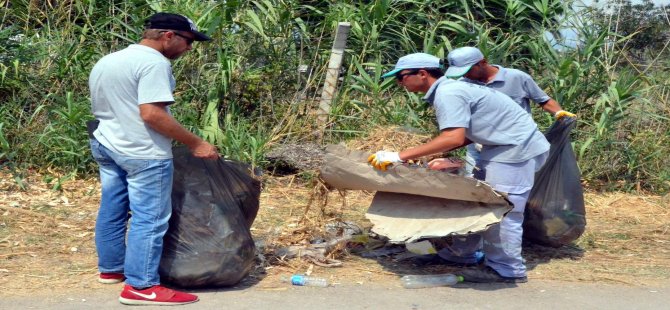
{"points": [[259, 81]]}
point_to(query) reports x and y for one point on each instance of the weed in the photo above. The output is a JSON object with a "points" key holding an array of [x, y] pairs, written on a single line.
{"points": [[258, 82]]}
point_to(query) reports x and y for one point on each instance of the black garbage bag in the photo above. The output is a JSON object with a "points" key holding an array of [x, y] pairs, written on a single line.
{"points": [[208, 242], [555, 214]]}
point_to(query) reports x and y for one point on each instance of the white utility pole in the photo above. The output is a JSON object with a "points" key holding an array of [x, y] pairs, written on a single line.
{"points": [[333, 72]]}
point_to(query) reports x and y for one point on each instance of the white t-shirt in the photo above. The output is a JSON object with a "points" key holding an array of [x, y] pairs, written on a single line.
{"points": [[506, 132], [119, 83]]}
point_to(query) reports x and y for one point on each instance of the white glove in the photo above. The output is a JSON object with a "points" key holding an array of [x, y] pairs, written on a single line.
{"points": [[478, 147], [382, 159]]}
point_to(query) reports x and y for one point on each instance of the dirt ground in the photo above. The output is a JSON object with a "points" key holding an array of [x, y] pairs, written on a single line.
{"points": [[46, 237]]}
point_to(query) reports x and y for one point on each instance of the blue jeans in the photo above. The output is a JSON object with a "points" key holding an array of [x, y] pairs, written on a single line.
{"points": [[141, 187]]}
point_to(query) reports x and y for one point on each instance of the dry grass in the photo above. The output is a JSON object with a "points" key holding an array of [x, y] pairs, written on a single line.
{"points": [[46, 237], [391, 139]]}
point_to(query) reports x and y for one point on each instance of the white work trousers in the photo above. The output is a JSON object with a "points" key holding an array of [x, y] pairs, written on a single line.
{"points": [[501, 243]]}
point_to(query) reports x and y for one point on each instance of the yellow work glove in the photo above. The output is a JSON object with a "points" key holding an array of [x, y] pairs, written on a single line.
{"points": [[560, 114], [382, 159]]}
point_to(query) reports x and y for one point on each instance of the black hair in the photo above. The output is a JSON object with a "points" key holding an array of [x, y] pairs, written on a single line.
{"points": [[435, 72]]}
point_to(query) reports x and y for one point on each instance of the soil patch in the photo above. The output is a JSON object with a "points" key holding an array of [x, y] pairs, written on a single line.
{"points": [[46, 237]]}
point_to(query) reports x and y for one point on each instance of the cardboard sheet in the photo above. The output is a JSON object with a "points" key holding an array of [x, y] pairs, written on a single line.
{"points": [[404, 218], [413, 202], [349, 169]]}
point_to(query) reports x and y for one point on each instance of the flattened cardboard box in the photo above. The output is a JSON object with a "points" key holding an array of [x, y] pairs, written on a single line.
{"points": [[413, 202]]}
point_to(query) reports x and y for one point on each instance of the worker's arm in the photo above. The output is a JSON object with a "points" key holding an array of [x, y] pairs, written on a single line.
{"points": [[555, 109], [449, 139], [155, 115], [551, 106]]}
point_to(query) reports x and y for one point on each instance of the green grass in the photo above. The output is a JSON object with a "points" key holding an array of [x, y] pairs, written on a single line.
{"points": [[243, 91]]}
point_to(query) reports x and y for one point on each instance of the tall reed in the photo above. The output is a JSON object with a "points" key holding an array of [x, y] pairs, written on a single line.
{"points": [[258, 82]]}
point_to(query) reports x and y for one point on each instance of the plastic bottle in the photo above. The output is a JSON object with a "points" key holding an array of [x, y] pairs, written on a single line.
{"points": [[431, 280], [301, 280]]}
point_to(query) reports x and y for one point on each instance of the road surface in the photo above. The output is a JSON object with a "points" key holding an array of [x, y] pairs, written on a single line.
{"points": [[532, 295]]}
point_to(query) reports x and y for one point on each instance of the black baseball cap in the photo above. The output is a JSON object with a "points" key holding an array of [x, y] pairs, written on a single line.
{"points": [[170, 21]]}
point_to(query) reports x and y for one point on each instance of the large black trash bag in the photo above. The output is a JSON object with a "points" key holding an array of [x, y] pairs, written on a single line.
{"points": [[555, 214], [208, 243]]}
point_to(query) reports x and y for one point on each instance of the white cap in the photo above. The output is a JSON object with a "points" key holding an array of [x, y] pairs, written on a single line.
{"points": [[461, 60], [414, 61]]}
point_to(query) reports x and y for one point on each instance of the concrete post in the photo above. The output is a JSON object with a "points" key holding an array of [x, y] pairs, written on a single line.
{"points": [[332, 74]]}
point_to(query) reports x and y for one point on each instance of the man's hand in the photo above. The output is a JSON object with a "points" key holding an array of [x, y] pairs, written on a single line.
{"points": [[445, 163], [155, 115], [205, 150], [382, 159], [560, 114]]}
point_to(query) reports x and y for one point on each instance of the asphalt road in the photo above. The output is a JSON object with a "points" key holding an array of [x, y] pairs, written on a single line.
{"points": [[533, 295]]}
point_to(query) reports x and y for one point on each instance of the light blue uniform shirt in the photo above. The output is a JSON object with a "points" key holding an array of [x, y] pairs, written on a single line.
{"points": [[516, 84], [506, 132]]}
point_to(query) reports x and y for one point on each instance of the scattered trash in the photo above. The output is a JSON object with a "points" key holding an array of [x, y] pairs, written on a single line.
{"points": [[404, 256], [302, 280], [431, 280], [343, 229], [321, 246], [316, 253], [422, 247], [386, 251]]}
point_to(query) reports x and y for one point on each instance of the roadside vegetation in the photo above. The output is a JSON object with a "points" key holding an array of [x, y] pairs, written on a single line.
{"points": [[245, 93]]}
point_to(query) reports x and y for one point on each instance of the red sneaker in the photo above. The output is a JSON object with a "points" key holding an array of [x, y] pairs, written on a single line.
{"points": [[155, 295], [111, 277]]}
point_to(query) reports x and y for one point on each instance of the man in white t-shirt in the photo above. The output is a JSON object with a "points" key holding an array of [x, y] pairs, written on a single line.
{"points": [[513, 150], [131, 91]]}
